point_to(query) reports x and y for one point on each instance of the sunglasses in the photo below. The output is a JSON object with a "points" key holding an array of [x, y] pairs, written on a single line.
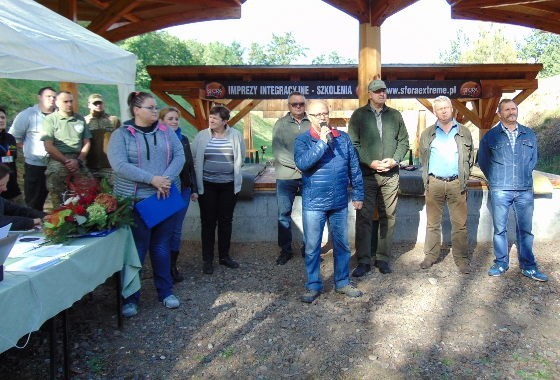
{"points": [[97, 103], [297, 104]]}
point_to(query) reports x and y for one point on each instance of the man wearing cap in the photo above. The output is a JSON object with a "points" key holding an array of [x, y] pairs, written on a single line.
{"points": [[101, 125], [379, 134]]}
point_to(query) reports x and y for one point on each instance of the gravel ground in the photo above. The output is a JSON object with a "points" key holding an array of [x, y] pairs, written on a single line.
{"points": [[249, 323]]}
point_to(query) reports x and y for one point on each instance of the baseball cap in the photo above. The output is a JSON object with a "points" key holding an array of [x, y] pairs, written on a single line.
{"points": [[375, 85], [95, 98]]}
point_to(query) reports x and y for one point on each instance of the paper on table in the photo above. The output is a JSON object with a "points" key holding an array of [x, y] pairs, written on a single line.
{"points": [[32, 264], [57, 250], [24, 245], [4, 230]]}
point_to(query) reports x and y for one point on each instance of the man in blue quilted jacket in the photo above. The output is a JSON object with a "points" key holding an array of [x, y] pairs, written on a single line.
{"points": [[329, 163]]}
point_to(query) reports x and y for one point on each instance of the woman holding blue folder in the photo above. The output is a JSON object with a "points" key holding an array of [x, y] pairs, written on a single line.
{"points": [[146, 158]]}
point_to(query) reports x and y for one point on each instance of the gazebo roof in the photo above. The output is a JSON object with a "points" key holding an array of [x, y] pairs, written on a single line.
{"points": [[119, 19]]}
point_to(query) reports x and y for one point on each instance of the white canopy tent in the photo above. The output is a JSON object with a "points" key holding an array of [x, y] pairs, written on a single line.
{"points": [[39, 44]]}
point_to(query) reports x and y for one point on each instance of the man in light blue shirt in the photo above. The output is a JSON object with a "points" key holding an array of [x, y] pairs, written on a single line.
{"points": [[446, 153]]}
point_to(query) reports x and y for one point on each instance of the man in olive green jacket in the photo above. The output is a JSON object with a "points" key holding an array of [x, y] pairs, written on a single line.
{"points": [[288, 177], [379, 134]]}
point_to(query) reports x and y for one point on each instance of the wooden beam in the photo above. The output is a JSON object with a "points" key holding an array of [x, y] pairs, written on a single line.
{"points": [[233, 104], [470, 115], [111, 15], [68, 9], [369, 66], [244, 111]]}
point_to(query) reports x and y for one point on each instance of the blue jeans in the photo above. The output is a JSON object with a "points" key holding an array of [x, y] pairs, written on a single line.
{"points": [[523, 205], [180, 218], [286, 190], [313, 224], [156, 240]]}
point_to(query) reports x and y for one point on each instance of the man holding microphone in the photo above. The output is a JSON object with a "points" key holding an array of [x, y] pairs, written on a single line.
{"points": [[328, 162]]}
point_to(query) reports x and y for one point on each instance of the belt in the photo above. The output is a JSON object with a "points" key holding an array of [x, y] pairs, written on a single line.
{"points": [[446, 179]]}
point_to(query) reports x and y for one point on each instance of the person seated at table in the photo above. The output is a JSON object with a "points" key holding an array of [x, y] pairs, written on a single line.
{"points": [[21, 217]]}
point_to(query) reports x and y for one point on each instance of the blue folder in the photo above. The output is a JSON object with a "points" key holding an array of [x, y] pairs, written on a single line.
{"points": [[154, 211]]}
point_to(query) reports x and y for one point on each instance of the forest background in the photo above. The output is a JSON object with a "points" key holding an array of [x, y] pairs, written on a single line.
{"points": [[541, 111]]}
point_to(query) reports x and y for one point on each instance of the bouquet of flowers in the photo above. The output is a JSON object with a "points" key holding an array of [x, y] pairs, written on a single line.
{"points": [[89, 208]]}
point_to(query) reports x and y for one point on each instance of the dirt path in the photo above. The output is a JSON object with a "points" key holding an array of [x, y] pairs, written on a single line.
{"points": [[249, 323]]}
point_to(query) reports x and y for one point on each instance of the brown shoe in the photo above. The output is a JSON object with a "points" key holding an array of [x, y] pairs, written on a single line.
{"points": [[464, 268], [427, 263]]}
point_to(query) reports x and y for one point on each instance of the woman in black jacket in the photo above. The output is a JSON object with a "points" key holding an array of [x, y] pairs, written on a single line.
{"points": [[8, 154]]}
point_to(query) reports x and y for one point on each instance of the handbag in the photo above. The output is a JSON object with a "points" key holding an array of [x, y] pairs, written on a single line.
{"points": [[153, 211]]}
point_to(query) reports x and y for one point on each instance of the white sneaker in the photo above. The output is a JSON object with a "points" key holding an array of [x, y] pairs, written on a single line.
{"points": [[171, 302]]}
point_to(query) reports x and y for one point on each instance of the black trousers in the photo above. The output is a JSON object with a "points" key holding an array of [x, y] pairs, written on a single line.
{"points": [[216, 208], [35, 186]]}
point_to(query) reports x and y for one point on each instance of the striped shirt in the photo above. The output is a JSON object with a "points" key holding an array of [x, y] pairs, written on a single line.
{"points": [[218, 161]]}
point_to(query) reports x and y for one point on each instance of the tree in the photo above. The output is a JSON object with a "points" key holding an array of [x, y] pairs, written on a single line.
{"points": [[216, 53], [490, 46], [332, 59], [542, 47], [281, 50], [156, 48]]}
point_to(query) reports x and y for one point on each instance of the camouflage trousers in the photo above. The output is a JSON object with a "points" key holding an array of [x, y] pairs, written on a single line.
{"points": [[56, 175]]}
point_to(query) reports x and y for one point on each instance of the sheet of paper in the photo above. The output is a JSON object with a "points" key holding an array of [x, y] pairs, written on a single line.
{"points": [[24, 245], [4, 230], [57, 250], [32, 264]]}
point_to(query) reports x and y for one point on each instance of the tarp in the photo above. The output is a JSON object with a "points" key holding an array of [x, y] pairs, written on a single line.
{"points": [[39, 44]]}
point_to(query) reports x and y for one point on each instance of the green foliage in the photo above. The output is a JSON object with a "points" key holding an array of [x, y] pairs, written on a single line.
{"points": [[490, 46], [156, 48], [281, 50], [333, 59], [542, 47]]}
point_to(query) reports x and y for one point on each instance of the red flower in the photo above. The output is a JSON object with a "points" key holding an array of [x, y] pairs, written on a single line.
{"points": [[108, 201], [69, 218], [80, 210]]}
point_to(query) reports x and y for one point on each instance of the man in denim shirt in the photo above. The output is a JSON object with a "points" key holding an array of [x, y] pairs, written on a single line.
{"points": [[507, 156]]}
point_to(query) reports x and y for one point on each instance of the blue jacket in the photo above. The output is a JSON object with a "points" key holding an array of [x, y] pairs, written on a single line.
{"points": [[506, 169], [327, 169]]}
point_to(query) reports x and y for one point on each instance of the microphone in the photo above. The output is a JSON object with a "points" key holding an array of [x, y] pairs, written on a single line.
{"points": [[329, 135]]}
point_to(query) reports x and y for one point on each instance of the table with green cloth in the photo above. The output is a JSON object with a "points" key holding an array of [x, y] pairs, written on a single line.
{"points": [[28, 299]]}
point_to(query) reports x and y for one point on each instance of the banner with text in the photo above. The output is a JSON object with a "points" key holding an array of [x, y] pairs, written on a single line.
{"points": [[340, 89]]}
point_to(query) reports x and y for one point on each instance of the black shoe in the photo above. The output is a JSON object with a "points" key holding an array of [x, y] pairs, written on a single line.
{"points": [[229, 262], [361, 270], [207, 267], [383, 266], [176, 276], [284, 258]]}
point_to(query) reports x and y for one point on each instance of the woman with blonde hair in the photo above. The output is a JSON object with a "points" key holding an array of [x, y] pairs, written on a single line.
{"points": [[170, 116]]}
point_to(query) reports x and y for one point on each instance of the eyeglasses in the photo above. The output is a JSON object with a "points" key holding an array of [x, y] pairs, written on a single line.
{"points": [[97, 103], [151, 108], [318, 115], [297, 104]]}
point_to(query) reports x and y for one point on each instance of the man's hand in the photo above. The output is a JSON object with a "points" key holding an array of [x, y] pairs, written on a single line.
{"points": [[324, 132], [378, 166], [194, 197], [357, 204], [72, 164]]}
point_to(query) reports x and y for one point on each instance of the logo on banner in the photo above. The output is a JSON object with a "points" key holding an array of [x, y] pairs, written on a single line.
{"points": [[215, 90], [470, 90]]}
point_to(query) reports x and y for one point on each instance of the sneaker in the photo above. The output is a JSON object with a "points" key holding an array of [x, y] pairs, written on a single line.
{"points": [[129, 310], [383, 266], [427, 263], [361, 270], [497, 270], [207, 267], [284, 258], [229, 262], [171, 302], [534, 274], [310, 296], [350, 291]]}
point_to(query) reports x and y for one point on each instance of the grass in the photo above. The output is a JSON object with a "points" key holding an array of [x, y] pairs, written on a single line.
{"points": [[549, 164]]}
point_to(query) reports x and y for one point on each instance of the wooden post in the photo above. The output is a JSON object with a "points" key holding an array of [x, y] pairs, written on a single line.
{"points": [[73, 88], [369, 65], [247, 131]]}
